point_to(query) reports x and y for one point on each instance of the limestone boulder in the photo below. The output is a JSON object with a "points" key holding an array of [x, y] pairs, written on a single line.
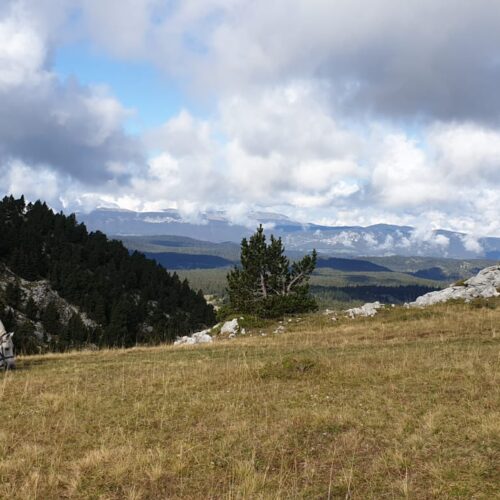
{"points": [[230, 327], [367, 310], [202, 337], [485, 284]]}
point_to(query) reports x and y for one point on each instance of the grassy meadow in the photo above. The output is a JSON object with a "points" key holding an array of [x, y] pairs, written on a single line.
{"points": [[404, 405]]}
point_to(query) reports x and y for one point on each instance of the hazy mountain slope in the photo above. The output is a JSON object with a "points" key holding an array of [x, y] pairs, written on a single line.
{"points": [[353, 265], [376, 240], [451, 269], [174, 260], [180, 244]]}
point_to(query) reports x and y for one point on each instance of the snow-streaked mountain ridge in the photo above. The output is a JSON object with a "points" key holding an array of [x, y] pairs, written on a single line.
{"points": [[374, 240]]}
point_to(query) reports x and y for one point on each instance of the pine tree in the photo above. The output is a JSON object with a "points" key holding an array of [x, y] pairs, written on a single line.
{"points": [[13, 295], [50, 319], [267, 284], [31, 309], [94, 274]]}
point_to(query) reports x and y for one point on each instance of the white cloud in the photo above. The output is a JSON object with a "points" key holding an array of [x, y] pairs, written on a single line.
{"points": [[386, 56], [54, 126], [472, 244], [404, 176], [465, 150], [183, 135], [22, 51], [314, 109], [19, 179]]}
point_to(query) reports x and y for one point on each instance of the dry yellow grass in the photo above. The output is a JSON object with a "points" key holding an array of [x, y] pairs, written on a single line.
{"points": [[404, 405]]}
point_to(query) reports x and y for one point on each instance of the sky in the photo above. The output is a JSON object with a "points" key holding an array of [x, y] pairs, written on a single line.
{"points": [[336, 112]]}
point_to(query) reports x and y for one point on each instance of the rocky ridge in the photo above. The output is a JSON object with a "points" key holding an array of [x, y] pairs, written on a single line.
{"points": [[485, 284], [42, 294]]}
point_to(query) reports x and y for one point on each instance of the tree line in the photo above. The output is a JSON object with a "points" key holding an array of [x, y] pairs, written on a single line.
{"points": [[131, 298]]}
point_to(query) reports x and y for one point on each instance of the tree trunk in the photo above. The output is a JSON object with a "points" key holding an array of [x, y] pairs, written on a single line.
{"points": [[297, 278], [263, 286]]}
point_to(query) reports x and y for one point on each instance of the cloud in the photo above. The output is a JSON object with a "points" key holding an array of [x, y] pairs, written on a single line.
{"points": [[465, 149], [411, 59], [402, 175], [183, 135], [19, 179], [341, 112], [472, 244], [57, 126], [22, 52]]}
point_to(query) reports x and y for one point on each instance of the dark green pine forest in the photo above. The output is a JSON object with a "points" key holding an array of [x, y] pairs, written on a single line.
{"points": [[131, 299]]}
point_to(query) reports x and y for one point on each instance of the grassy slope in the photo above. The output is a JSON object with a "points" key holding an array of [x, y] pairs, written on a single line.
{"points": [[402, 405]]}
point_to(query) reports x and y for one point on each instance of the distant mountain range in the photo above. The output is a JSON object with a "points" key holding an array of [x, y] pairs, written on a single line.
{"points": [[353, 241]]}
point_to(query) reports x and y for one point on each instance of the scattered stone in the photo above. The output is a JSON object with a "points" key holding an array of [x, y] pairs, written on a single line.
{"points": [[280, 329], [367, 310], [230, 327], [484, 285], [197, 338]]}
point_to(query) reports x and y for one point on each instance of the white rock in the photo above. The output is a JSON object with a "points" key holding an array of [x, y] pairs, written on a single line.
{"points": [[230, 327], [367, 310], [484, 285], [197, 338]]}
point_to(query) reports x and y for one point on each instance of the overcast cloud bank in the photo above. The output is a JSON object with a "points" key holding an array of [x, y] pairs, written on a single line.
{"points": [[332, 112]]}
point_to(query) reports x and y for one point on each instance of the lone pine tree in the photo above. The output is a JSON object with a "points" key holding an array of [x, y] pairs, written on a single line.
{"points": [[266, 283]]}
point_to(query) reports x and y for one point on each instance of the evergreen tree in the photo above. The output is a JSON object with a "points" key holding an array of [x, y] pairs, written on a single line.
{"points": [[121, 292], [25, 339], [50, 319], [31, 309], [267, 284], [13, 295]]}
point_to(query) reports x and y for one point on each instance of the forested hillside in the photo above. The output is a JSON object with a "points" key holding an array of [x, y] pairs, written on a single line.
{"points": [[130, 298]]}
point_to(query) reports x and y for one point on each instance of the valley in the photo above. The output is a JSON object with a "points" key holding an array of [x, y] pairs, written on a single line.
{"points": [[336, 282]]}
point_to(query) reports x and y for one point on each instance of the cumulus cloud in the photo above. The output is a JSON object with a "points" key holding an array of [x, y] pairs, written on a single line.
{"points": [[472, 244], [402, 175], [465, 149], [19, 179], [341, 112], [56, 126], [399, 59]]}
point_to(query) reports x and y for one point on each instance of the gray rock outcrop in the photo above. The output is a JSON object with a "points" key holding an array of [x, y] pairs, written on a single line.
{"points": [[368, 310], [230, 327], [484, 285], [197, 338]]}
